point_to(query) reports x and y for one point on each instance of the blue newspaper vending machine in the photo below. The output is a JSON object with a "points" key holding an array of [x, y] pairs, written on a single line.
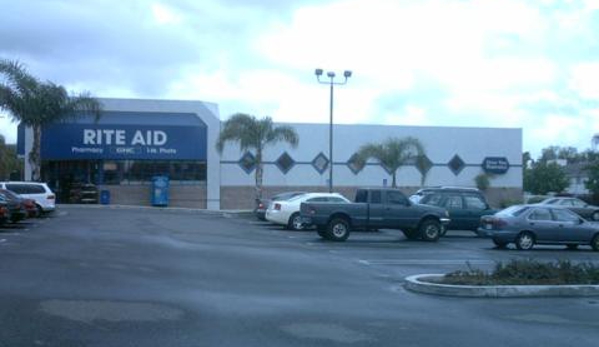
{"points": [[160, 191]]}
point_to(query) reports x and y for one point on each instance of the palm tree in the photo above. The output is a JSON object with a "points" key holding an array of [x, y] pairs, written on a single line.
{"points": [[392, 153], [255, 134], [35, 104]]}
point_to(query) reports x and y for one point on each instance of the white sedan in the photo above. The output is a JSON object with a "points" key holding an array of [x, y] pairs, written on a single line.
{"points": [[287, 212]]}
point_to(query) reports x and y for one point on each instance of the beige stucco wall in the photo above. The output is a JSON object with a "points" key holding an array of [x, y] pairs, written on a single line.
{"points": [[191, 196]]}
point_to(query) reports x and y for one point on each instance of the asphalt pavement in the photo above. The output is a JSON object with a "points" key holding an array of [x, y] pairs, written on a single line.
{"points": [[143, 277]]}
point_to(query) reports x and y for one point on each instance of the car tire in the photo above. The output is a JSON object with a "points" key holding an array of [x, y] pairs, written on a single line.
{"points": [[572, 246], [40, 211], [500, 244], [410, 234], [295, 222], [338, 230], [595, 216], [430, 230], [525, 241], [595, 243]]}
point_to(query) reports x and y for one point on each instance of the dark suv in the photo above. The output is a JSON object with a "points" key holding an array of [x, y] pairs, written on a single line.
{"points": [[465, 206]]}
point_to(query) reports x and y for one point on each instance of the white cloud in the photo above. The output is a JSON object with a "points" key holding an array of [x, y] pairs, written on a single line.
{"points": [[165, 15], [410, 115], [585, 80]]}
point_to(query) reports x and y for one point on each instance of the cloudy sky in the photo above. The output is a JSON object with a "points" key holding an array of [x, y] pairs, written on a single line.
{"points": [[506, 63]]}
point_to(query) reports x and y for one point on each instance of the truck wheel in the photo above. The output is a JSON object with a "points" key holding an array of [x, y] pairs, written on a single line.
{"points": [[338, 230], [410, 234], [430, 230]]}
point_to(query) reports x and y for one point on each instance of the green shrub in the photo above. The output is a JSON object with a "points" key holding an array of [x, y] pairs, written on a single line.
{"points": [[527, 272], [482, 182]]}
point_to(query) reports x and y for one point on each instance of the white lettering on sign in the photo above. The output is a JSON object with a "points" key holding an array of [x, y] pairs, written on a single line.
{"points": [[138, 139], [119, 137]]}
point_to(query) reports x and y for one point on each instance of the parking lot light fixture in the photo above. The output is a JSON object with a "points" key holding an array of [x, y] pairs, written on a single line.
{"points": [[331, 82]]}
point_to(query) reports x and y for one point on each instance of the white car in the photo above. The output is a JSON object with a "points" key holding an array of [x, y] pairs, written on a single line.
{"points": [[287, 212], [45, 199]]}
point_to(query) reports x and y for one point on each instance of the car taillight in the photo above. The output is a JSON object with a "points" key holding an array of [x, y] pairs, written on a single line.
{"points": [[278, 207], [51, 197], [3, 211], [260, 205]]}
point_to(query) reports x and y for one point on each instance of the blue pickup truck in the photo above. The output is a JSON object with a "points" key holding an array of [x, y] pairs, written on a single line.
{"points": [[375, 208]]}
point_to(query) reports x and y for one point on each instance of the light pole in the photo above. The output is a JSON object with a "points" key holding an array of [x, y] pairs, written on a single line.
{"points": [[331, 82]]}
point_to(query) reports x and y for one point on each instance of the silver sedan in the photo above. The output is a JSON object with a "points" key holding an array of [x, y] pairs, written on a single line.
{"points": [[527, 225]]}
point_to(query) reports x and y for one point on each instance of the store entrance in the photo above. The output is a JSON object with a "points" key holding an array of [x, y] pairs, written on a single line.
{"points": [[73, 181]]}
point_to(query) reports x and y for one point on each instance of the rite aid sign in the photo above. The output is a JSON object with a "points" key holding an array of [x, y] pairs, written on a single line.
{"points": [[496, 165]]}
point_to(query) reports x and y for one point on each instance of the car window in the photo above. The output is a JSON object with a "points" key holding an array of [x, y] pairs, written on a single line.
{"points": [[541, 214], [551, 201], [318, 199], [336, 199], [515, 210], [565, 202], [396, 198], [361, 196], [375, 197], [454, 201], [17, 188], [475, 202], [578, 203], [565, 216], [432, 199]]}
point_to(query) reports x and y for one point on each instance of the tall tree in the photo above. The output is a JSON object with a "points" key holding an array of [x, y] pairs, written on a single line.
{"points": [[255, 134], [35, 103], [592, 183], [9, 163], [544, 178], [392, 153]]}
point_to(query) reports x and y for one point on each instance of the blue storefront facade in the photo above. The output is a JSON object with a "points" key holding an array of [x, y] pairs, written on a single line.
{"points": [[125, 148]]}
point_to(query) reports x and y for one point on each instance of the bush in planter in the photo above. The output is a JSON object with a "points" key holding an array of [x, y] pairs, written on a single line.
{"points": [[527, 272]]}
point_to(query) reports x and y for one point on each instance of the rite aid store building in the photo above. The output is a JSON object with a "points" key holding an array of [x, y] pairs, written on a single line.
{"points": [[135, 140]]}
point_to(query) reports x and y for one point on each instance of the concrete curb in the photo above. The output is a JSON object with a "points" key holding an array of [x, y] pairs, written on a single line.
{"points": [[225, 213], [418, 283]]}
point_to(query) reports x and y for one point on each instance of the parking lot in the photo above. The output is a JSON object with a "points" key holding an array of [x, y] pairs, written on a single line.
{"points": [[92, 276]]}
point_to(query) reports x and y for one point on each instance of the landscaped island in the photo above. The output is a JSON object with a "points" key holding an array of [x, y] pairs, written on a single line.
{"points": [[526, 272]]}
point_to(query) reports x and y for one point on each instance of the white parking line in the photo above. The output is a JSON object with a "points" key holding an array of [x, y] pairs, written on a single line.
{"points": [[425, 261], [2, 240]]}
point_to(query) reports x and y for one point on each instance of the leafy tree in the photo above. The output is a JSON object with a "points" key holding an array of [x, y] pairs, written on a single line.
{"points": [[255, 134], [544, 178], [35, 104], [9, 162], [556, 152], [392, 153], [592, 183]]}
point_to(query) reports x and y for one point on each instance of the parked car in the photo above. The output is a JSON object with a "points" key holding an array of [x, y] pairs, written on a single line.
{"points": [[527, 225], [575, 205], [15, 205], [4, 212], [465, 207], [287, 212], [262, 204], [420, 193], [376, 208], [45, 199]]}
